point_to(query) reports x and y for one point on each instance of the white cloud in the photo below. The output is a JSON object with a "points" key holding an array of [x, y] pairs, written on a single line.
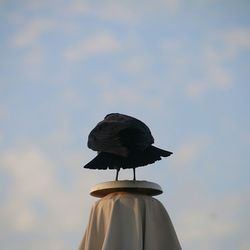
{"points": [[136, 65], [30, 177], [220, 77], [209, 222], [131, 96], [236, 40], [208, 70], [188, 152], [3, 111], [35, 56], [245, 244], [104, 79], [216, 78], [214, 75], [31, 33], [111, 10], [35, 197], [98, 44], [225, 46], [28, 165], [196, 89], [78, 6], [128, 12], [32, 62]]}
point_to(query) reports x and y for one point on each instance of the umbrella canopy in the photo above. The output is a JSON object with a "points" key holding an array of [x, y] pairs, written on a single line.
{"points": [[128, 221]]}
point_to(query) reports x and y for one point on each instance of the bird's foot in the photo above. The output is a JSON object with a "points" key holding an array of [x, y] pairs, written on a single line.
{"points": [[117, 173], [134, 179]]}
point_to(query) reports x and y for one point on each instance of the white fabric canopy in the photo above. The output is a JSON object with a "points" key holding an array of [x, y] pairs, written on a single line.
{"points": [[125, 221]]}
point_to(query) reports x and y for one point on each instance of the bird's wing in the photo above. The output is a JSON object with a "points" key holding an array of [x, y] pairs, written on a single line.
{"points": [[138, 135], [117, 134], [104, 161], [104, 138], [136, 138]]}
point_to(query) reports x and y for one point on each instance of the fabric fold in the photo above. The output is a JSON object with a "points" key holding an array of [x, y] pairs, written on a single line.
{"points": [[126, 221]]}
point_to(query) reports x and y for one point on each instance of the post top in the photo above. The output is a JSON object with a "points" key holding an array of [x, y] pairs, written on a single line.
{"points": [[139, 187]]}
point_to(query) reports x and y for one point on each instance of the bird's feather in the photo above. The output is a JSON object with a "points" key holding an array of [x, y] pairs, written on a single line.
{"points": [[136, 159], [122, 142]]}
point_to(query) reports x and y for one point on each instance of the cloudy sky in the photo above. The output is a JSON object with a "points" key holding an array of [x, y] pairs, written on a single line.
{"points": [[180, 66]]}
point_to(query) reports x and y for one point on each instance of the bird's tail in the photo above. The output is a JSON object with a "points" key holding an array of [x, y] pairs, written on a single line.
{"points": [[158, 151], [136, 159], [150, 155], [105, 160]]}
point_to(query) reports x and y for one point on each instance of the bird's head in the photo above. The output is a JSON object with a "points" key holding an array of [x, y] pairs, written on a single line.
{"points": [[111, 115]]}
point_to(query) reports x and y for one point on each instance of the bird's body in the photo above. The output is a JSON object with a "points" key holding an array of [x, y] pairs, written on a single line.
{"points": [[122, 142]]}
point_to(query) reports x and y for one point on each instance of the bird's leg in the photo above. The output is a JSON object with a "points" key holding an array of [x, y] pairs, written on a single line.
{"points": [[117, 173], [134, 179]]}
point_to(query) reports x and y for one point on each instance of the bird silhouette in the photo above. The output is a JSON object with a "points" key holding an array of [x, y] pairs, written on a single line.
{"points": [[124, 142]]}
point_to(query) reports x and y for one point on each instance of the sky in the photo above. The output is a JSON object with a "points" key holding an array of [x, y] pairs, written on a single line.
{"points": [[180, 66]]}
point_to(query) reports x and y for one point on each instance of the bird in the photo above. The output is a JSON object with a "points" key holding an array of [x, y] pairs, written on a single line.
{"points": [[122, 141]]}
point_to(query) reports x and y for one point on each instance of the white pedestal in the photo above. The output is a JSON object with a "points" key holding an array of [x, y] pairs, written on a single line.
{"points": [[137, 187]]}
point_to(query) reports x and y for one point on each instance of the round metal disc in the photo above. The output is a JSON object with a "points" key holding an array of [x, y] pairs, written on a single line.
{"points": [[140, 187]]}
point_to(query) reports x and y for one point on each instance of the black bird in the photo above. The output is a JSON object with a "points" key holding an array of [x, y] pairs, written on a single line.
{"points": [[122, 141]]}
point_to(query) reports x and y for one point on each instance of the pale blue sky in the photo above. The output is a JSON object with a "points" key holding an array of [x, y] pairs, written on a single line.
{"points": [[180, 66]]}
